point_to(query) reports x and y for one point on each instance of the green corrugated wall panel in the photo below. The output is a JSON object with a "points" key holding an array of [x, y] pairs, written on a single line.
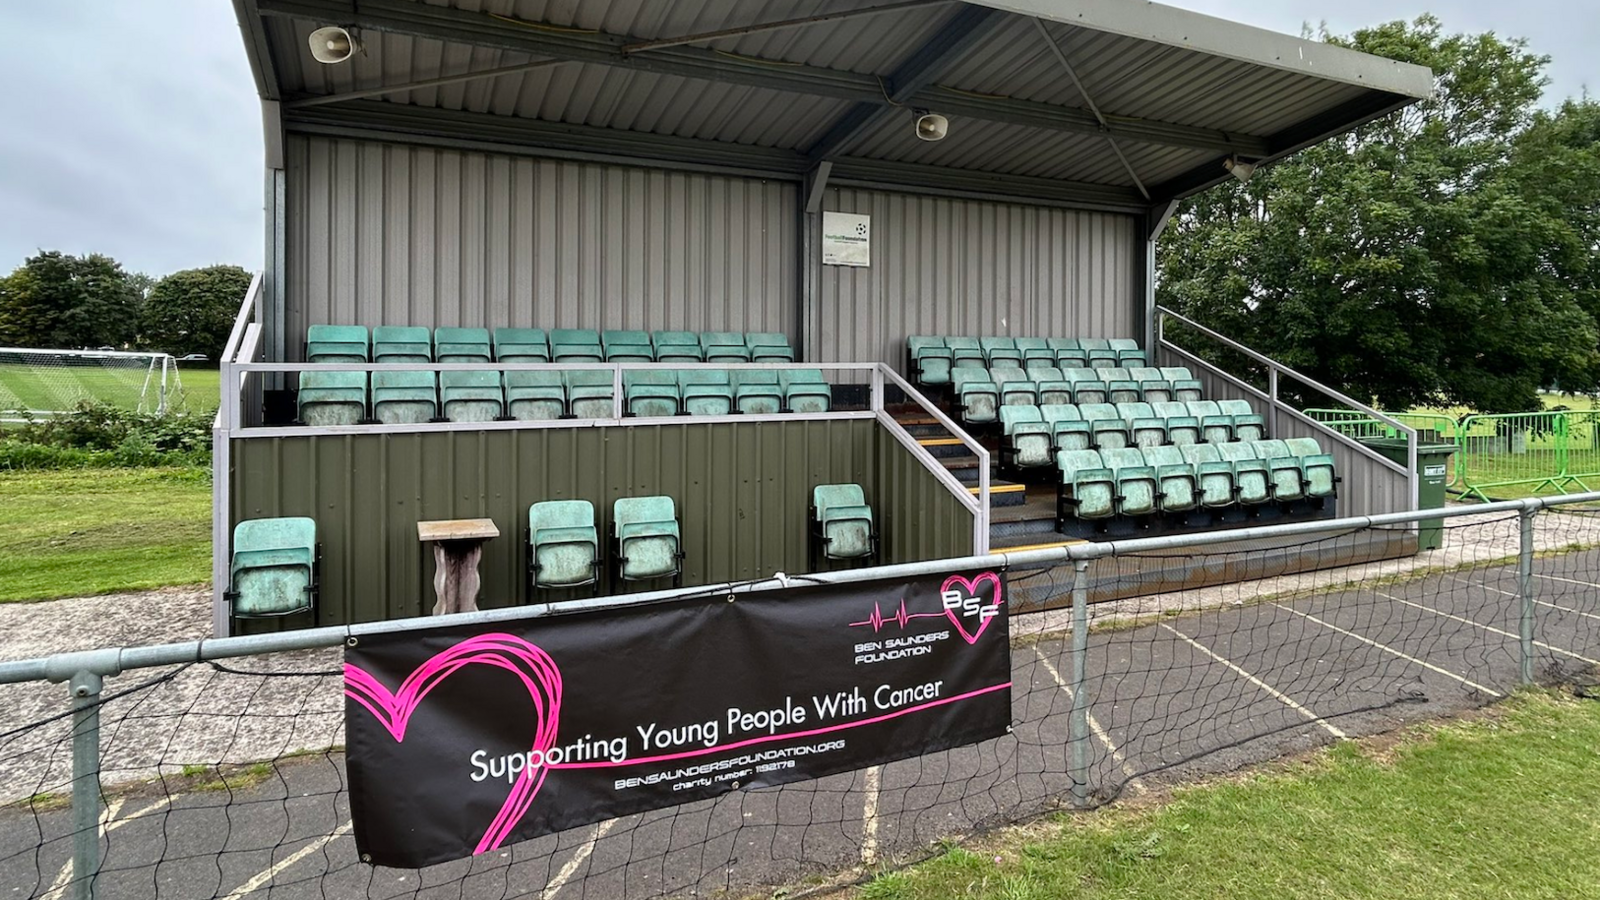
{"points": [[921, 519]]}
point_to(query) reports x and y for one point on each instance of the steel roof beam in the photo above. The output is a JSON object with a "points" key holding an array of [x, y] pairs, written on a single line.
{"points": [[482, 30]]}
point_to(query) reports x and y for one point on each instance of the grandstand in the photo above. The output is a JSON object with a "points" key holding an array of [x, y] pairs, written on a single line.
{"points": [[684, 292]]}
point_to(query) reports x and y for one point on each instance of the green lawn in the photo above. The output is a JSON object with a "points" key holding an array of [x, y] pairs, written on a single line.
{"points": [[68, 533], [61, 388], [1505, 807]]}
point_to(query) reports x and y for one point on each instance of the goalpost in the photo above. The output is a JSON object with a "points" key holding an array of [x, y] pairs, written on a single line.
{"points": [[36, 383]]}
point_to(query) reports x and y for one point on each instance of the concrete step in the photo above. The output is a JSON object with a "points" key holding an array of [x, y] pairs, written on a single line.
{"points": [[945, 447]]}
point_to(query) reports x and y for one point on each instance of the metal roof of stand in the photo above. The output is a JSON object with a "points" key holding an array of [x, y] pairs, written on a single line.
{"points": [[1113, 104]]}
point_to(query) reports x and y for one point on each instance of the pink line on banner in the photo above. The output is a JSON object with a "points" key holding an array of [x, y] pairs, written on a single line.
{"points": [[765, 739]]}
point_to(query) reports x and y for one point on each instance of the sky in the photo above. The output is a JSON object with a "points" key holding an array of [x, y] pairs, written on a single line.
{"points": [[139, 135]]}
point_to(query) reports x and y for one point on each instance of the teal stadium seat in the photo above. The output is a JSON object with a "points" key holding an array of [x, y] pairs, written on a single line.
{"points": [[1120, 386], [1215, 428], [332, 398], [1099, 353], [768, 346], [1107, 430], [404, 397], [461, 345], [1182, 428], [1145, 429], [1027, 443], [535, 396], [471, 396], [1288, 478], [1036, 353], [521, 345], [964, 348], [1000, 352], [705, 391], [1128, 352], [1136, 482], [401, 344], [1086, 385], [1052, 385], [976, 394], [337, 344], [1087, 488], [1067, 352], [273, 571], [1185, 386], [756, 392], [842, 524], [930, 360], [677, 347], [1068, 430], [1175, 477], [1152, 386], [651, 392], [1250, 472], [563, 545], [575, 345], [646, 539], [1016, 388], [627, 346], [590, 393], [1248, 425], [1317, 464], [805, 390], [724, 347], [1217, 484]]}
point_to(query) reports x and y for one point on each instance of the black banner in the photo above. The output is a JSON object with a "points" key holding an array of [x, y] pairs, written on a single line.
{"points": [[464, 740]]}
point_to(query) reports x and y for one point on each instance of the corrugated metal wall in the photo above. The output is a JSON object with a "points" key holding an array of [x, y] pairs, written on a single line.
{"points": [[947, 266], [397, 234], [742, 492]]}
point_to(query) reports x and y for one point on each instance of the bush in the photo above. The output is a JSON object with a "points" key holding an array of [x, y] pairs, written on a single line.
{"points": [[96, 435]]}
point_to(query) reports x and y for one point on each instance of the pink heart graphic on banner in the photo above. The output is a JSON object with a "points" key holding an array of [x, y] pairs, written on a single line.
{"points": [[539, 675], [972, 591]]}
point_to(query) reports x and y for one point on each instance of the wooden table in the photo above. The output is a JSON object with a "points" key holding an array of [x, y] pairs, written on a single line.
{"points": [[457, 547]]}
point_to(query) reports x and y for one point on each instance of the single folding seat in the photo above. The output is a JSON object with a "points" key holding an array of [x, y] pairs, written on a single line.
{"points": [[1068, 430], [461, 345], [332, 398], [1288, 478], [757, 392], [1248, 425], [576, 345], [563, 545], [1317, 464], [1087, 487], [405, 397], [590, 394], [1099, 353], [1120, 387], [1145, 428], [1128, 352], [1182, 428], [977, 396], [724, 347], [964, 348], [1016, 388], [1000, 352], [1215, 428], [521, 345], [535, 396], [337, 344], [651, 392], [1086, 385], [1218, 486], [471, 396], [1028, 443], [401, 344], [1185, 386], [1178, 483], [627, 346], [805, 390], [646, 539], [1067, 352], [1106, 428], [1250, 472], [1137, 493], [1053, 386], [768, 346], [841, 523], [1152, 386], [1036, 353], [273, 571], [928, 360], [677, 346], [705, 391]]}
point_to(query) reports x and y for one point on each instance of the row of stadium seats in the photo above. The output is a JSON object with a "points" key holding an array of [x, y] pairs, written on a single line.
{"points": [[1031, 434], [931, 359], [981, 393], [402, 396], [412, 344], [1137, 483]]}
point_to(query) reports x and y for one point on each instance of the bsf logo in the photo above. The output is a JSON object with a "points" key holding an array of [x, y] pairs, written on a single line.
{"points": [[966, 606]]}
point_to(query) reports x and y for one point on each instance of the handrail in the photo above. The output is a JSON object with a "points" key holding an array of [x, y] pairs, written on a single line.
{"points": [[246, 313], [980, 542]]}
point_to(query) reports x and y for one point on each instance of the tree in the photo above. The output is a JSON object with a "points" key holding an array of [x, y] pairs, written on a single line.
{"points": [[60, 301], [192, 311], [1430, 257]]}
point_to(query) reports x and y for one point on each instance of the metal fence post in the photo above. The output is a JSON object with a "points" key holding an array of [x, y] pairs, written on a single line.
{"points": [[1078, 723], [85, 687], [1525, 591]]}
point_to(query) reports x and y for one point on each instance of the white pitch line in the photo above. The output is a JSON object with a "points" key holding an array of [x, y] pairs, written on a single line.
{"points": [[266, 875], [1576, 612], [1567, 580], [869, 816], [573, 864], [109, 823], [1279, 695], [1134, 784], [1387, 649], [1490, 628]]}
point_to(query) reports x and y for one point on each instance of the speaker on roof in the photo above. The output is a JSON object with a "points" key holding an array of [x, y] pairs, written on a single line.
{"points": [[332, 45], [931, 126]]}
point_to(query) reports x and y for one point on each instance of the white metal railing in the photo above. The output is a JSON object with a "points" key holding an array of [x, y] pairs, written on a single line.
{"points": [[1275, 404]]}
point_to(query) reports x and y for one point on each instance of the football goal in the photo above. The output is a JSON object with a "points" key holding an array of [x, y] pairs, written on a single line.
{"points": [[36, 383]]}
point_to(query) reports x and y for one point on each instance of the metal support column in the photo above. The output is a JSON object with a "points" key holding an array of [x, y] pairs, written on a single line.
{"points": [[1525, 592], [85, 687], [1078, 724]]}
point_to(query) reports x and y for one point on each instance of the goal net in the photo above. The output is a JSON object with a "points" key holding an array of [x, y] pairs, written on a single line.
{"points": [[35, 383]]}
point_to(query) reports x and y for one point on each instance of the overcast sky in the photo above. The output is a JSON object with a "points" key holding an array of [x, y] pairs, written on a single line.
{"points": [[137, 134]]}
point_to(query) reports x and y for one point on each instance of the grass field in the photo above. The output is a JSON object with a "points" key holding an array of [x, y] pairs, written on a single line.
{"points": [[1505, 806], [70, 533], [61, 388]]}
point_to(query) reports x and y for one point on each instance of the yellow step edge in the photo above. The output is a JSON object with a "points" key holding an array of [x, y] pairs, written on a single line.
{"points": [[1036, 547], [939, 442], [1000, 489]]}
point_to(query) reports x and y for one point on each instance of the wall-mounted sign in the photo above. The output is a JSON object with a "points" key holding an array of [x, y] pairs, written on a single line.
{"points": [[463, 740], [846, 239]]}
